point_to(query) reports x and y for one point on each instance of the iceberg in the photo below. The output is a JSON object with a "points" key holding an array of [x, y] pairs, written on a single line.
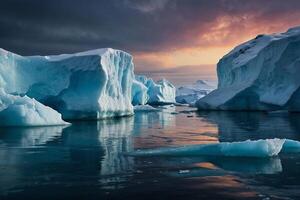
{"points": [[249, 148], [161, 92], [189, 94], [87, 85], [24, 111], [261, 74], [291, 146], [139, 93]]}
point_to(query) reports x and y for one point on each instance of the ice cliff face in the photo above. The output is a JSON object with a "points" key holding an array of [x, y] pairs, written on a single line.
{"points": [[157, 93], [89, 85], [261, 74]]}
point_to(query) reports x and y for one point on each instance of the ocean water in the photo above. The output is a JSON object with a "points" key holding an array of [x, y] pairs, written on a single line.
{"points": [[89, 159]]}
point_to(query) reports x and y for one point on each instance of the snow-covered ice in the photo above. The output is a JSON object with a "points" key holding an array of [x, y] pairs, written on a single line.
{"points": [[255, 148], [24, 111], [94, 84], [189, 94], [88, 85], [160, 92], [261, 74]]}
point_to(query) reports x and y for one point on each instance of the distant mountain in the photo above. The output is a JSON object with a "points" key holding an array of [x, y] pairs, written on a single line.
{"points": [[189, 94]]}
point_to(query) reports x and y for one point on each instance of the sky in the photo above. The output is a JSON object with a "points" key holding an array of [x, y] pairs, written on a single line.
{"points": [[166, 37]]}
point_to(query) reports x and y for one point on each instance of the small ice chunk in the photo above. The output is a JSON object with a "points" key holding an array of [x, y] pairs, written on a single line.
{"points": [[24, 111], [144, 108]]}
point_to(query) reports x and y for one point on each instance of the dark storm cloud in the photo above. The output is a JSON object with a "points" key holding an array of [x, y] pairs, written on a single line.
{"points": [[58, 26]]}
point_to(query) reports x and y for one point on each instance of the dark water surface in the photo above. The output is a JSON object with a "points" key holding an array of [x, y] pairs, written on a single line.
{"points": [[88, 160]]}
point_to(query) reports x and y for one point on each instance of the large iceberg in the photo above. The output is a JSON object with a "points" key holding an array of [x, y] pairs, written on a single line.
{"points": [[189, 94], [88, 85], [160, 92], [261, 74]]}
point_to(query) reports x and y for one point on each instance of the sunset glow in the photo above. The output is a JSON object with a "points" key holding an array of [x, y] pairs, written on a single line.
{"points": [[212, 45], [160, 34]]}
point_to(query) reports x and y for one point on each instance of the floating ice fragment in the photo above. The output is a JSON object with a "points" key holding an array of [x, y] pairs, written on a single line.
{"points": [[145, 108], [24, 111], [257, 148]]}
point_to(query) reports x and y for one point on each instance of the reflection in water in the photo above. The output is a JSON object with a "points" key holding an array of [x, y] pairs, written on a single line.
{"points": [[154, 124], [115, 138], [161, 119], [171, 128], [213, 165], [29, 137], [226, 187], [83, 153], [238, 126], [252, 166], [112, 138], [206, 165], [13, 156], [87, 158]]}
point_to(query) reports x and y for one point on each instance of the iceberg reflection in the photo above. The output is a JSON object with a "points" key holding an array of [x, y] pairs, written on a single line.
{"points": [[115, 138], [29, 136], [223, 166], [163, 118], [239, 126], [255, 165], [88, 153], [101, 144]]}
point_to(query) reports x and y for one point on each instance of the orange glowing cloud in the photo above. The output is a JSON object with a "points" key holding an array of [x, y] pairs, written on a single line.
{"points": [[206, 43], [182, 57]]}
